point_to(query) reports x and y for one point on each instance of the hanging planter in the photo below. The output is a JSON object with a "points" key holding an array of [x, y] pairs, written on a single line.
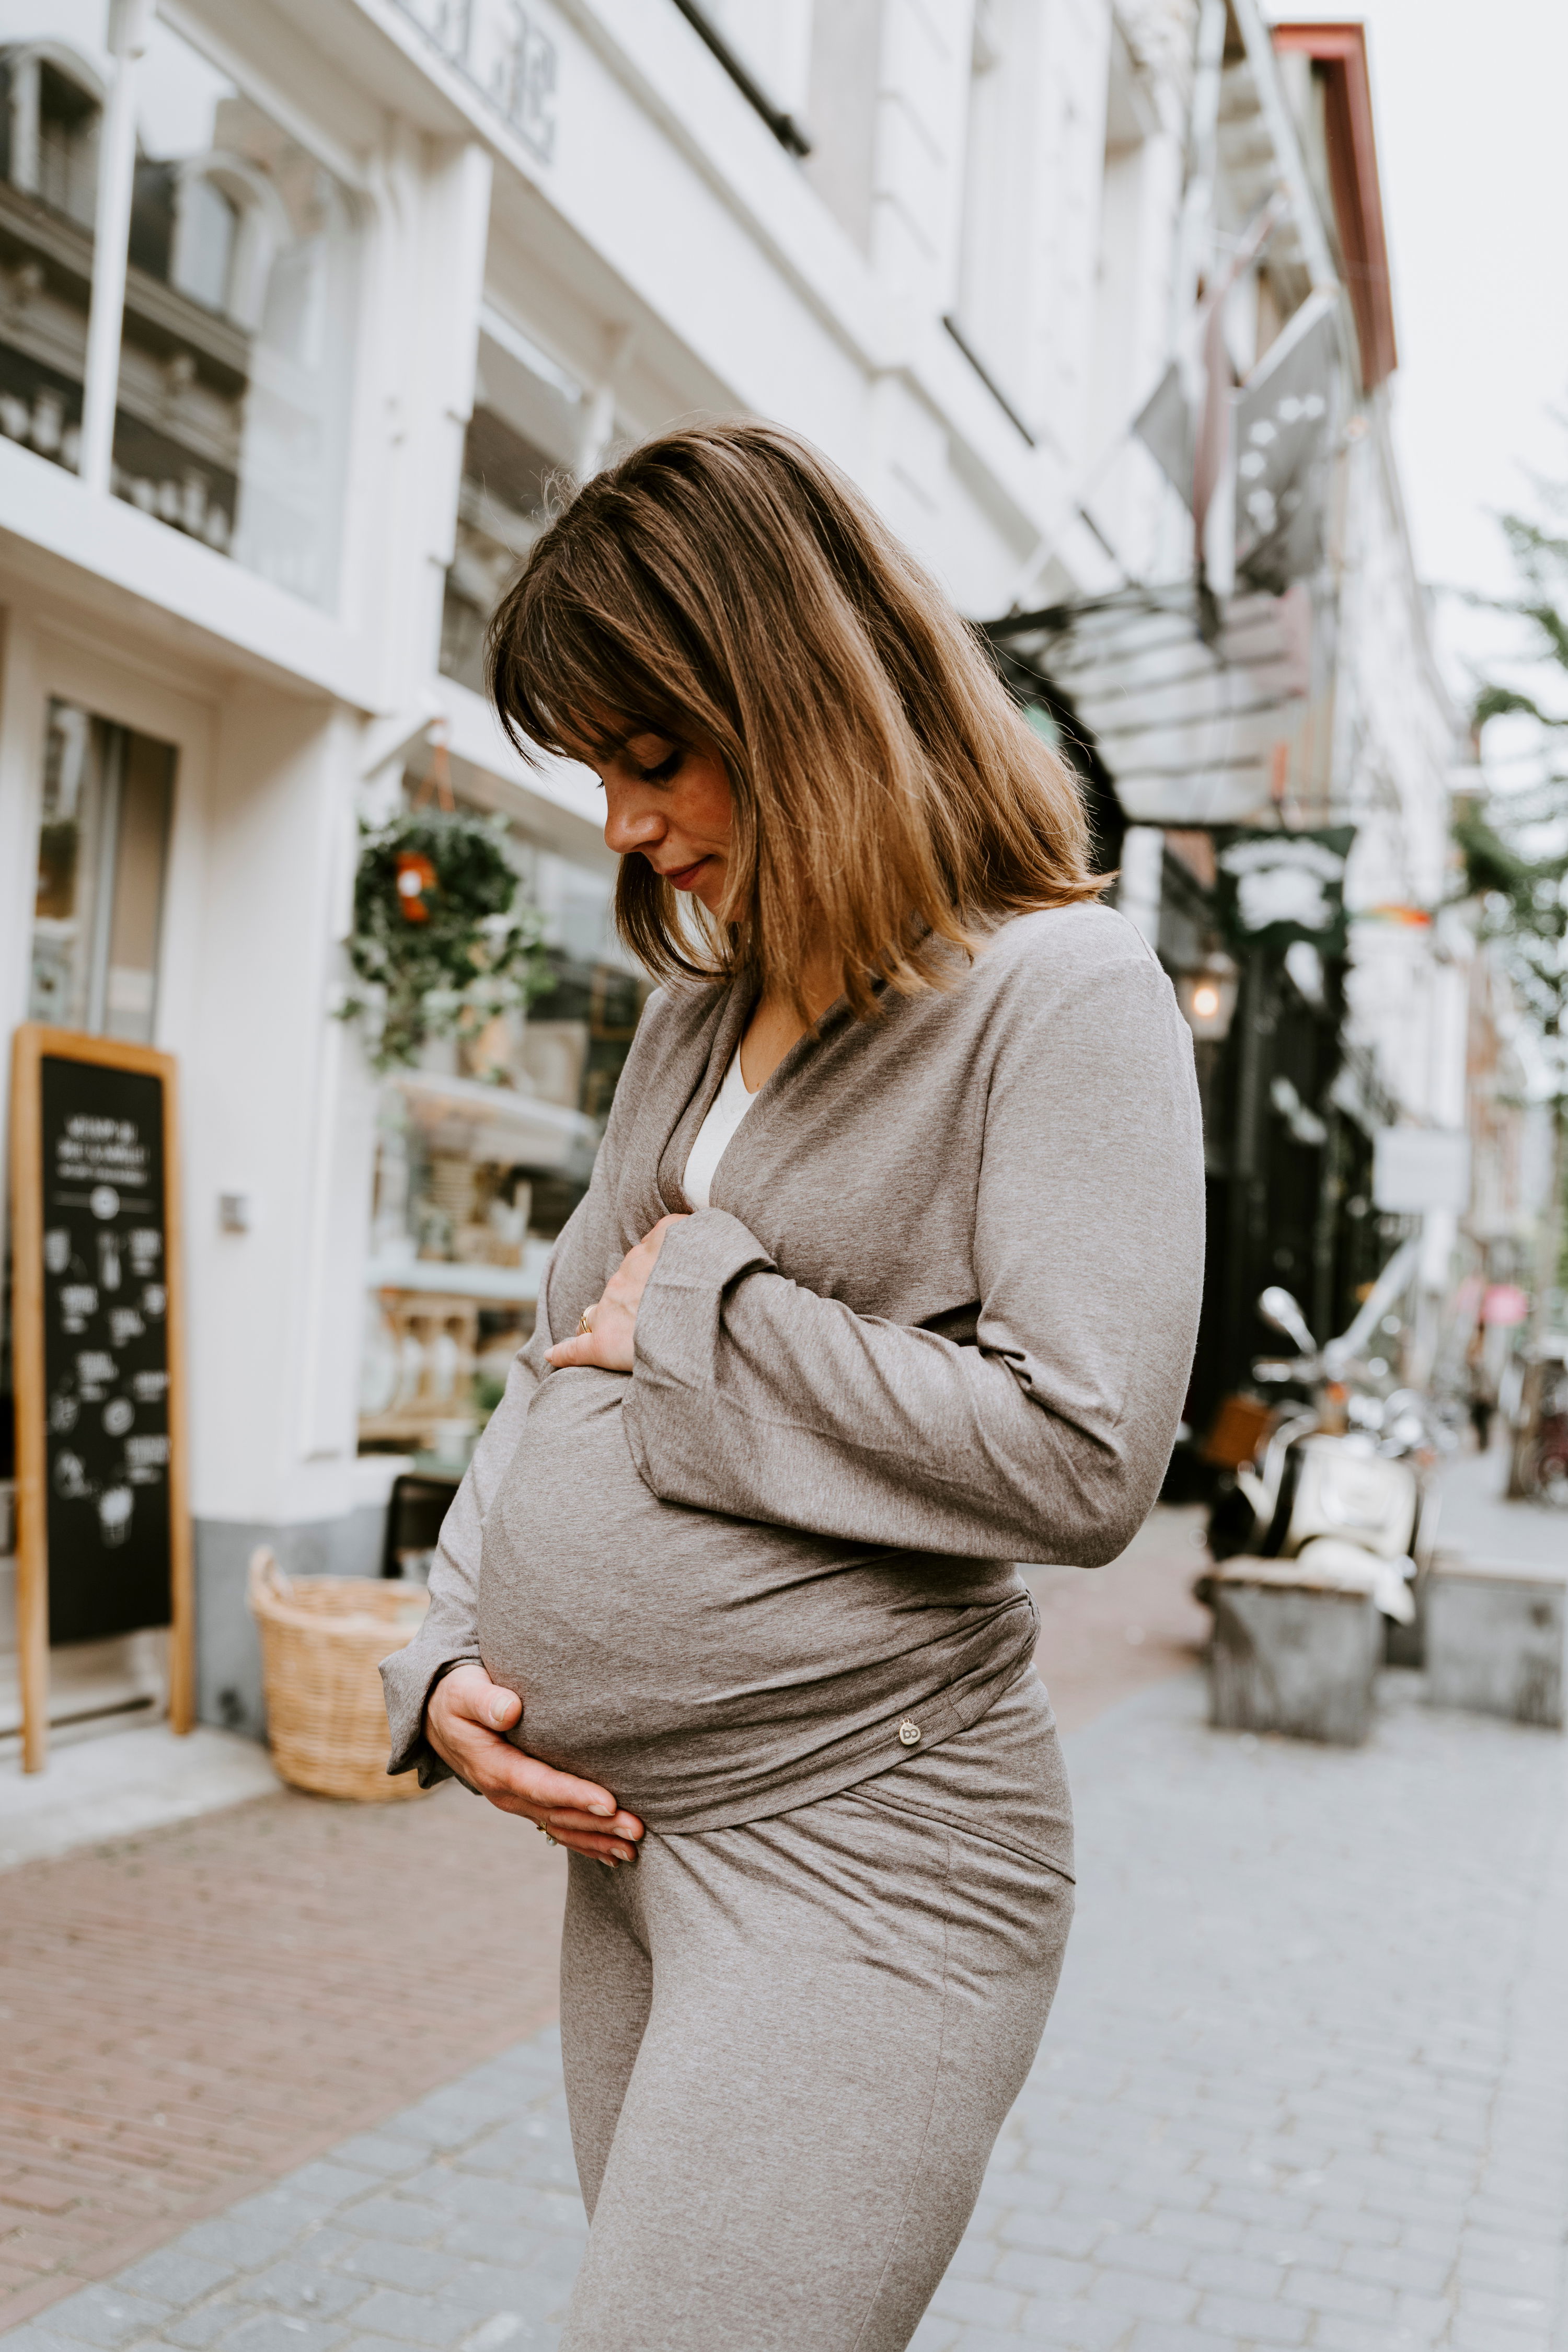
{"points": [[440, 943]]}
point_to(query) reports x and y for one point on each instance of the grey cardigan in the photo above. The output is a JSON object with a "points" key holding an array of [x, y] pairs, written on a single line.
{"points": [[939, 1317]]}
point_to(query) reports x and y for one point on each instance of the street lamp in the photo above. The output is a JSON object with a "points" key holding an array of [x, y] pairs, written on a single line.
{"points": [[1207, 997]]}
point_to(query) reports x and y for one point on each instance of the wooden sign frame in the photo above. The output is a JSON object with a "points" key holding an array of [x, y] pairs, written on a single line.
{"points": [[32, 1044]]}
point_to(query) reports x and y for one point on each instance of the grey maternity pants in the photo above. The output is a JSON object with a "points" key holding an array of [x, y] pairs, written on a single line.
{"points": [[790, 2047]]}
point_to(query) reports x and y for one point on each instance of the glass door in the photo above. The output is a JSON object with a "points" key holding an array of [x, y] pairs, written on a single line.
{"points": [[103, 849]]}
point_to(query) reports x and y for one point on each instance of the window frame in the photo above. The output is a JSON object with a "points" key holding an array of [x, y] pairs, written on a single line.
{"points": [[130, 28]]}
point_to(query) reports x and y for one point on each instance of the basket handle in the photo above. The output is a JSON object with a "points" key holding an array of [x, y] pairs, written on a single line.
{"points": [[265, 1578]]}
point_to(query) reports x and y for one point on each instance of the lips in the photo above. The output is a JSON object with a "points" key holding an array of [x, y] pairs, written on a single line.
{"points": [[684, 878]]}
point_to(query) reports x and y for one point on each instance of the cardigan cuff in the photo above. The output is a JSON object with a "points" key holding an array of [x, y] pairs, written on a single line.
{"points": [[678, 1319], [406, 1702], [675, 1346]]}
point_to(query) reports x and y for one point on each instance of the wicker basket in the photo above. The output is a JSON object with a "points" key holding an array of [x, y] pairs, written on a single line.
{"points": [[322, 1638]]}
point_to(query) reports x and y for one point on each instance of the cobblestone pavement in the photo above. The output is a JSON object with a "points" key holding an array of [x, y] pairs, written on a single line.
{"points": [[189, 2012], [1306, 2085]]}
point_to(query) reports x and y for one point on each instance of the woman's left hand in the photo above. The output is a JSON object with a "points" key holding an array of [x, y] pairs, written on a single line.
{"points": [[613, 1318]]}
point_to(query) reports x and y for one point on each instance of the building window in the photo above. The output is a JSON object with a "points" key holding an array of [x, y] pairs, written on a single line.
{"points": [[232, 412], [995, 311], [103, 845], [527, 426], [55, 73]]}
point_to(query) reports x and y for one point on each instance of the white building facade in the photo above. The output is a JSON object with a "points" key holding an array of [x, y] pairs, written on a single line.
{"points": [[300, 307]]}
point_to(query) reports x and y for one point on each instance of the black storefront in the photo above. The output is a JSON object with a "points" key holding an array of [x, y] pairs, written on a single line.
{"points": [[1290, 1110]]}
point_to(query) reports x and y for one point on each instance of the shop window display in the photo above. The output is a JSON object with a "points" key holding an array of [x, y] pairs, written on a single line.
{"points": [[479, 1164], [55, 73], [232, 414], [103, 840], [527, 426]]}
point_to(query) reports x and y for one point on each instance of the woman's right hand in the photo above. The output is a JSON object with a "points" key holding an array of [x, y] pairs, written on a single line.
{"points": [[465, 1717]]}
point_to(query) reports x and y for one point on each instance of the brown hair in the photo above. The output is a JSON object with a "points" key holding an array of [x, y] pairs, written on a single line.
{"points": [[726, 581]]}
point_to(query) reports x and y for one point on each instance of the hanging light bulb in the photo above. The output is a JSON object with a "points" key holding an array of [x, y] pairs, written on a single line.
{"points": [[1207, 996]]}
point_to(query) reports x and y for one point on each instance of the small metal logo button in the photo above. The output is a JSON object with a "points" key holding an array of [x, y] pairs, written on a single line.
{"points": [[908, 1734]]}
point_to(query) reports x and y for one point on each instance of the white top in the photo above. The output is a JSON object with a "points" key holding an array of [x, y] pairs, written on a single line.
{"points": [[728, 1109]]}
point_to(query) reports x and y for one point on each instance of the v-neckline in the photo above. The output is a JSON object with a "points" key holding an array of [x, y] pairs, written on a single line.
{"points": [[733, 1020]]}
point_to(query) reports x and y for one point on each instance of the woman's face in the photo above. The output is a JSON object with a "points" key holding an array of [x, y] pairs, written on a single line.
{"points": [[668, 802]]}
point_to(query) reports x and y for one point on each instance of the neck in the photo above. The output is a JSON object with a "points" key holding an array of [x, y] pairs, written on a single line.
{"points": [[776, 1024]]}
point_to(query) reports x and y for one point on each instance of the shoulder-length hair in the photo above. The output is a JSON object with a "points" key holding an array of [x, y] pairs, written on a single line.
{"points": [[726, 583]]}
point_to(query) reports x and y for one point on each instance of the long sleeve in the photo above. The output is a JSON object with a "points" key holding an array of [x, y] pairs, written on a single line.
{"points": [[1046, 1440], [446, 1637]]}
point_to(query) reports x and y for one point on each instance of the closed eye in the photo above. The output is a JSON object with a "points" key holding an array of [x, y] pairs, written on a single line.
{"points": [[667, 769]]}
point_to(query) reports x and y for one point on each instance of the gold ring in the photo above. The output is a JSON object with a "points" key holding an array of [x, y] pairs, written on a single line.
{"points": [[584, 1328]]}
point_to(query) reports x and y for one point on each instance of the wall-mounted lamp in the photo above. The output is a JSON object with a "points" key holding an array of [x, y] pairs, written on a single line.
{"points": [[1207, 997]]}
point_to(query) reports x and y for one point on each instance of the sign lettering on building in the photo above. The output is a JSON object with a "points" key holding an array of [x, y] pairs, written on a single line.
{"points": [[1274, 887], [503, 57]]}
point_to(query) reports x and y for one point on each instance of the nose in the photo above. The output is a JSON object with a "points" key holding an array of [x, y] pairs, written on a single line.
{"points": [[631, 822]]}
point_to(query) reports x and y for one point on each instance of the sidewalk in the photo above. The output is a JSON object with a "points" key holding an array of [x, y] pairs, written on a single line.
{"points": [[1476, 1519], [112, 1783], [1306, 2085], [192, 2010]]}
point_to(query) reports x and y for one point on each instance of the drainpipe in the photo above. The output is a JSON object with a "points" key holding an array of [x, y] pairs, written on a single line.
{"points": [[111, 236]]}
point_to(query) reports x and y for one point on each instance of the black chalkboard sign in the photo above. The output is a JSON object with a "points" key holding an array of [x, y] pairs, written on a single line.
{"points": [[104, 1542]]}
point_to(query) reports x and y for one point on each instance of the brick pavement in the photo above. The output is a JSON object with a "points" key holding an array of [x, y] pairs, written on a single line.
{"points": [[1306, 2085], [188, 2012]]}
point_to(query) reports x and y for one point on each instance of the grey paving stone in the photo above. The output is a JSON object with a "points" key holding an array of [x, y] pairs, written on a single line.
{"points": [[1140, 2251], [277, 2331], [1231, 2273], [202, 2327], [1141, 2297], [1356, 2336], [1067, 2328], [1198, 2230], [976, 2303], [239, 2246], [482, 2288], [380, 2262], [303, 2286], [106, 2317], [1489, 2336], [1506, 2310], [1346, 2298], [384, 2152], [1155, 2336], [171, 2276], [1281, 2101], [1249, 2321], [413, 2318], [1044, 2274], [934, 2335], [403, 2219]]}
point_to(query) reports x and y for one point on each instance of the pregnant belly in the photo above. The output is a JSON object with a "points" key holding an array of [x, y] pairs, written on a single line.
{"points": [[655, 1647]]}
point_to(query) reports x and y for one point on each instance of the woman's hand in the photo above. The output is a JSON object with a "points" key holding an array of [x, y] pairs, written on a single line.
{"points": [[464, 1720], [613, 1318]]}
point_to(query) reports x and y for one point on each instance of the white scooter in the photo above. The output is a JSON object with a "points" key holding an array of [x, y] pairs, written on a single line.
{"points": [[1339, 1486]]}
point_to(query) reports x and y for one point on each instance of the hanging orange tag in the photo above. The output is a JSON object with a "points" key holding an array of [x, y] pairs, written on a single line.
{"points": [[416, 877]]}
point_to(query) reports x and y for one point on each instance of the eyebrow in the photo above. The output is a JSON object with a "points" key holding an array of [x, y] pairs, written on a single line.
{"points": [[610, 748]]}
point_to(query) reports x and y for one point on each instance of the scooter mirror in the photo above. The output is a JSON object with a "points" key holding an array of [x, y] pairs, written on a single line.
{"points": [[1277, 1306]]}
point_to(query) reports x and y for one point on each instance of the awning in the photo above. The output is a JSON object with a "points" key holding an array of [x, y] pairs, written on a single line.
{"points": [[1192, 734]]}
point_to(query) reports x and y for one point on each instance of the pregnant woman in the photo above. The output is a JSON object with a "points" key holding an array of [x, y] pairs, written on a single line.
{"points": [[888, 1277]]}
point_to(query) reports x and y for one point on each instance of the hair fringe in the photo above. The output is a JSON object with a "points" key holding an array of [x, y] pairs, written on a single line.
{"points": [[726, 582]]}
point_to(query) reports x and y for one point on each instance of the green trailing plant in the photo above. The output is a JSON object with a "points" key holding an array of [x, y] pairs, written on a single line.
{"points": [[439, 945], [1514, 845]]}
